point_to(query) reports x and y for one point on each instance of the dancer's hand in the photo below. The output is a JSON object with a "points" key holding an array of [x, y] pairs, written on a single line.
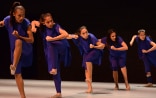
{"points": [[91, 46], [144, 51], [1, 23], [15, 33], [113, 48]]}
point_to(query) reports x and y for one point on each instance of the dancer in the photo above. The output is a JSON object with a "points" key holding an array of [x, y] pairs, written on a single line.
{"points": [[90, 49], [56, 47], [117, 55], [21, 39], [146, 52]]}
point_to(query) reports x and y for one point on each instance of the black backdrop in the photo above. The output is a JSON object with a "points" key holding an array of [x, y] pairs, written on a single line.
{"points": [[126, 16]]}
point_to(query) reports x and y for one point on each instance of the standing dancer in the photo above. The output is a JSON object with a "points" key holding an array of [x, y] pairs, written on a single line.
{"points": [[21, 39], [117, 55], [146, 52], [90, 49], [56, 47]]}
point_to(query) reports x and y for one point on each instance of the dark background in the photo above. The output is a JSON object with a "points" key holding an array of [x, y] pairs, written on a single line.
{"points": [[126, 16]]}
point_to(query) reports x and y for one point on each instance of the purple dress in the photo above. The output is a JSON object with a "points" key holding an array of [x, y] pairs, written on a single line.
{"points": [[117, 58], [148, 58], [56, 51], [89, 54], [27, 52]]}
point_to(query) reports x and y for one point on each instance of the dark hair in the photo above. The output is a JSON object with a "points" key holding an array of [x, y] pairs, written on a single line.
{"points": [[79, 30], [42, 19], [15, 6], [108, 40]]}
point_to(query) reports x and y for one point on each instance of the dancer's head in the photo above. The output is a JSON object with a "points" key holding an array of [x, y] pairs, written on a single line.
{"points": [[141, 34], [46, 19], [17, 13], [83, 32]]}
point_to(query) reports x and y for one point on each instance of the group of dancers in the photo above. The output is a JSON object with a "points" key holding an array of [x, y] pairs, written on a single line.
{"points": [[57, 48]]}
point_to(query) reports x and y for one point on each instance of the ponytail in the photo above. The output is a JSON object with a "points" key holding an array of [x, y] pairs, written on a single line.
{"points": [[15, 6]]}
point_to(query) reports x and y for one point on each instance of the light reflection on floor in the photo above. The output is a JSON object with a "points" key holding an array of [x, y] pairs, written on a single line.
{"points": [[45, 89]]}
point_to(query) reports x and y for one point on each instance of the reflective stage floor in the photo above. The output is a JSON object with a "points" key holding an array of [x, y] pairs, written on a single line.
{"points": [[46, 88]]}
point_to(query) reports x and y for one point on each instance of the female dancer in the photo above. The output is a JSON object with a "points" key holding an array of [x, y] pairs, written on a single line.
{"points": [[117, 55], [90, 49], [56, 47], [146, 52], [21, 39]]}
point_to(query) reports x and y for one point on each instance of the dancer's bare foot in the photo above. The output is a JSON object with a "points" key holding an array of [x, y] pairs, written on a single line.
{"points": [[58, 95], [12, 69], [128, 88], [149, 85], [23, 97], [89, 91], [116, 87], [53, 71], [89, 82]]}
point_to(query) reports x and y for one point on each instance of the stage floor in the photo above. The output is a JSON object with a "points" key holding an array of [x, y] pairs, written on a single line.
{"points": [[45, 89]]}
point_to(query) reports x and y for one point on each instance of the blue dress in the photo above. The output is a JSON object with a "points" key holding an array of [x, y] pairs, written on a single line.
{"points": [[117, 58], [56, 51], [27, 49], [89, 55], [148, 58]]}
